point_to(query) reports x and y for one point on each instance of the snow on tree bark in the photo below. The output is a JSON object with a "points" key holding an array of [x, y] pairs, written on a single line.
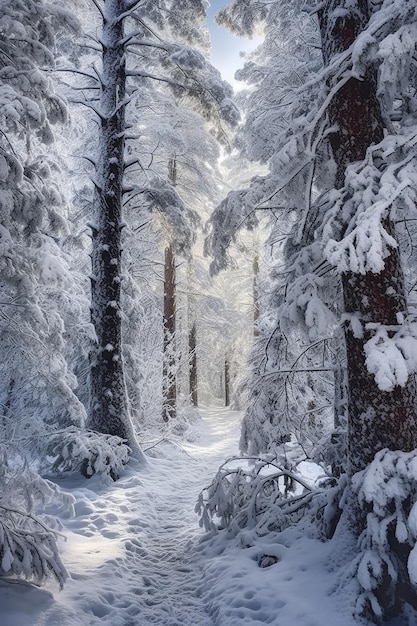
{"points": [[109, 411], [169, 369], [226, 382], [377, 419], [193, 373], [188, 75]]}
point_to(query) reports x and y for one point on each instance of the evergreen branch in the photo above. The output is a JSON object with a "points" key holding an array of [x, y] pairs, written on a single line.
{"points": [[34, 519], [312, 345], [89, 160], [287, 181], [174, 443], [132, 162], [131, 6], [96, 40]]}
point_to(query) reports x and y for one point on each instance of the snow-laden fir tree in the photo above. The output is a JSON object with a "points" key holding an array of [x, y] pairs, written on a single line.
{"points": [[35, 281], [291, 390], [315, 187], [336, 124], [140, 44], [36, 285]]}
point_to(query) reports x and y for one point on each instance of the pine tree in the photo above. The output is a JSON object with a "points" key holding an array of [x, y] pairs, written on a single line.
{"points": [[338, 180], [378, 418], [129, 27], [193, 372], [37, 388], [169, 376], [109, 407]]}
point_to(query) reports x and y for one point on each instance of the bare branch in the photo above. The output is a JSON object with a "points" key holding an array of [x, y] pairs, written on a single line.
{"points": [[72, 70], [162, 79], [90, 106], [145, 26], [99, 8]]}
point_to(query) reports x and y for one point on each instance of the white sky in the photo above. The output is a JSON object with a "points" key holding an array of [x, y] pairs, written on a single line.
{"points": [[226, 48]]}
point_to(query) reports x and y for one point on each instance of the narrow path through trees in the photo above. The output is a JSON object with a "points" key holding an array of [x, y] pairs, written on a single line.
{"points": [[132, 547]]}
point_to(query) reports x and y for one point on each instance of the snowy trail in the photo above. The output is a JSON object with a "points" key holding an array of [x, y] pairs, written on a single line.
{"points": [[131, 548], [135, 557]]}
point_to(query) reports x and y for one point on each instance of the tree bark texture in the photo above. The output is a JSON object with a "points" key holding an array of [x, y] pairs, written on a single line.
{"points": [[192, 350], [169, 369], [226, 382], [109, 406], [377, 419]]}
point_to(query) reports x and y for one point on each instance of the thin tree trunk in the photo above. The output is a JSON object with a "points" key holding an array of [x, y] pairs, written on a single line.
{"points": [[226, 382], [377, 419], [169, 373], [255, 295], [192, 346], [109, 406]]}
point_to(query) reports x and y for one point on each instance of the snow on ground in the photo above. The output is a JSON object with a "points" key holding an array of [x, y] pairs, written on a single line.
{"points": [[137, 556], [131, 547]]}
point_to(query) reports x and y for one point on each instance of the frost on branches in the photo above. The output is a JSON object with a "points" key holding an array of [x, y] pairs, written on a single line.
{"points": [[35, 282], [146, 50], [88, 452], [250, 494], [338, 131], [387, 494], [293, 359], [28, 540]]}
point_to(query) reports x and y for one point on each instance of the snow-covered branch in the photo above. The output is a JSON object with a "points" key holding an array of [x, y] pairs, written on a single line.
{"points": [[253, 494]]}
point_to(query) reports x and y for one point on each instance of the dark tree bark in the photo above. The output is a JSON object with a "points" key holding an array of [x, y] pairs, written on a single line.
{"points": [[226, 382], [169, 373], [192, 348], [377, 419], [109, 406]]}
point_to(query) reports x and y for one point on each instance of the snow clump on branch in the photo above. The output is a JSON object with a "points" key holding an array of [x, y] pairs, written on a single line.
{"points": [[28, 541], [387, 493]]}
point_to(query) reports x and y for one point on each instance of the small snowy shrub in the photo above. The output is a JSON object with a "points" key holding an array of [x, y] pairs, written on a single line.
{"points": [[387, 562], [89, 452], [28, 542], [253, 494]]}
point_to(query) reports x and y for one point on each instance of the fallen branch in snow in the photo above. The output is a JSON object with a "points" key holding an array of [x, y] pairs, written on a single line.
{"points": [[28, 548], [28, 543], [254, 494]]}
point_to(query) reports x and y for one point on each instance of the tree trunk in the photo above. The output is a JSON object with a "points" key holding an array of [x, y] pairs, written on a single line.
{"points": [[109, 406], [192, 345], [376, 419], [255, 296], [169, 373], [226, 383]]}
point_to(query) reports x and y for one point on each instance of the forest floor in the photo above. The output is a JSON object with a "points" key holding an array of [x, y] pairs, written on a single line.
{"points": [[137, 556]]}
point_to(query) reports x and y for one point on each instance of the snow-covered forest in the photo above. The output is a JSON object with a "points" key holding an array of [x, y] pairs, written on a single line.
{"points": [[208, 327]]}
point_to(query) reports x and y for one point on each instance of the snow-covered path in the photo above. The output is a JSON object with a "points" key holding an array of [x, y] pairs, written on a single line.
{"points": [[131, 548], [135, 555]]}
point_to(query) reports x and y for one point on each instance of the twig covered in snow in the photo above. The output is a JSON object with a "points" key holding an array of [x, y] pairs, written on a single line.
{"points": [[89, 452], [258, 495], [28, 542]]}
